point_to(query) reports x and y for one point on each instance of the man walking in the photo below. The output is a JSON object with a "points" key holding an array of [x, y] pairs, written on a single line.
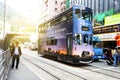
{"points": [[16, 53]]}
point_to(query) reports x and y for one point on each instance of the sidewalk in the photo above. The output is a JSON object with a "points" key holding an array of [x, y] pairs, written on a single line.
{"points": [[22, 73]]}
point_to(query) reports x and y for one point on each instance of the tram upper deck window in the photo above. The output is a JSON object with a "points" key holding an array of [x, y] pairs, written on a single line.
{"points": [[97, 31], [77, 12], [87, 15], [63, 18], [109, 29], [69, 15], [104, 29], [116, 28]]}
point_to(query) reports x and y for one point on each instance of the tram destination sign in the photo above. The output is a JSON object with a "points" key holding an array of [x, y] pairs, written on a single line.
{"points": [[84, 28]]}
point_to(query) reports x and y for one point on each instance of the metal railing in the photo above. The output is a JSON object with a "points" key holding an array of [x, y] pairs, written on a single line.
{"points": [[4, 64]]}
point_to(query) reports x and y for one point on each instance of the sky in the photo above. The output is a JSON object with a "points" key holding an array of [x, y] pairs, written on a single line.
{"points": [[28, 8]]}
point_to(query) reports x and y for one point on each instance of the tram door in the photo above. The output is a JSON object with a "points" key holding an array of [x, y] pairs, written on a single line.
{"points": [[69, 44], [39, 46]]}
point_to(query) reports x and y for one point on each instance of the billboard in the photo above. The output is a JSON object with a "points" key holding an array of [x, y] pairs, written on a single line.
{"points": [[99, 19], [106, 37], [114, 19]]}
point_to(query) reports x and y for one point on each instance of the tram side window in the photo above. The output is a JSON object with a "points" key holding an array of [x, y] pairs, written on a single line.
{"points": [[97, 31], [77, 39], [85, 39], [115, 28], [91, 39], [109, 29], [51, 42], [119, 28], [104, 29]]}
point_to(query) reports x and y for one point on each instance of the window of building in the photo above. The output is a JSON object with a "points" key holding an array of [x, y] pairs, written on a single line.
{"points": [[64, 2], [61, 3], [61, 9], [56, 2], [55, 9]]}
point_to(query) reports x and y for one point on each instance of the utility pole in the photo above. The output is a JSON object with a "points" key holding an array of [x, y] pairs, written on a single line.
{"points": [[4, 19], [4, 24]]}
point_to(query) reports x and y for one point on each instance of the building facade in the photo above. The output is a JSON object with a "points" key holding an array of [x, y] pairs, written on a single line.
{"points": [[98, 6], [52, 8]]}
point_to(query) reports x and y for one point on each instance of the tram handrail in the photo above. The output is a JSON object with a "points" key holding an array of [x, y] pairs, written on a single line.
{"points": [[4, 64]]}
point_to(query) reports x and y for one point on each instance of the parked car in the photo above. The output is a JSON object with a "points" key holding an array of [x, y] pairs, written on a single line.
{"points": [[26, 44], [33, 46]]}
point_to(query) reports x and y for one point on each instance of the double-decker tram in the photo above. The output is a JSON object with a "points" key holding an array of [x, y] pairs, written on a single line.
{"points": [[68, 36], [107, 34]]}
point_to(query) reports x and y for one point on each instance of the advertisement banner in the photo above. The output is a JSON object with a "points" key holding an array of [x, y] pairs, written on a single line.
{"points": [[114, 19]]}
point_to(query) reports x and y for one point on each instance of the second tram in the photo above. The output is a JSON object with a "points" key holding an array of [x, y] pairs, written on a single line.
{"points": [[107, 34]]}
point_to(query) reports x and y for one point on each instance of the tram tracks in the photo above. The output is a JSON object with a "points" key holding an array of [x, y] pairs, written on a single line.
{"points": [[42, 69], [103, 71], [81, 73], [76, 77]]}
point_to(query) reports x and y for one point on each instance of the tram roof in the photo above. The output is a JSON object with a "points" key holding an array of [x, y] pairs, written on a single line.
{"points": [[64, 12]]}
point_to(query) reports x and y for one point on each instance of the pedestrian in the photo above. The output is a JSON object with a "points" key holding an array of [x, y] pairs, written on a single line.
{"points": [[16, 53], [116, 56], [117, 38], [11, 47], [78, 39], [119, 59]]}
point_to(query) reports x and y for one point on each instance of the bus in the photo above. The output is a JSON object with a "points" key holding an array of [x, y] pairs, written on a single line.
{"points": [[68, 36], [98, 49]]}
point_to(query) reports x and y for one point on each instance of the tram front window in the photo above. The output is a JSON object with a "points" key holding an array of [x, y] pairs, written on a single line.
{"points": [[97, 44], [87, 15]]}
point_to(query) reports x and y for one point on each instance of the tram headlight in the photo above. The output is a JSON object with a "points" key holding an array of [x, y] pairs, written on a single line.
{"points": [[91, 54]]}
